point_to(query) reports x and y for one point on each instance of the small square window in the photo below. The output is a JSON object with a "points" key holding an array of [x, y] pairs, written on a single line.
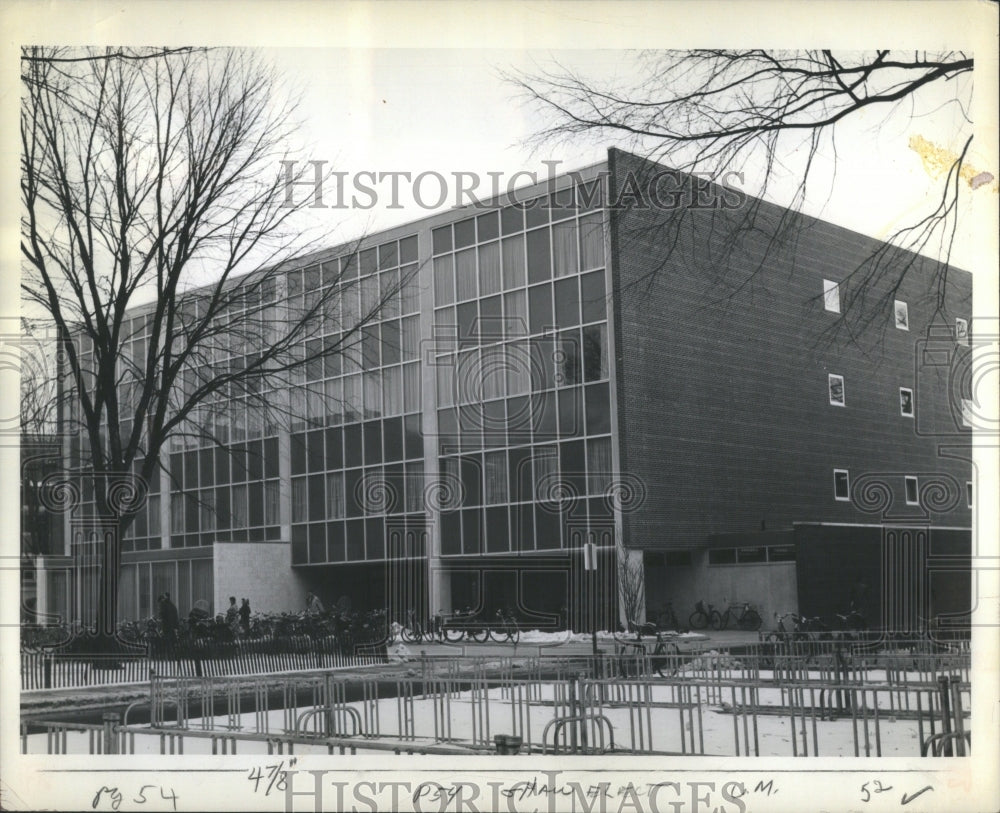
{"points": [[841, 484], [836, 383], [902, 315], [831, 296], [906, 402], [968, 493], [912, 491], [962, 331]]}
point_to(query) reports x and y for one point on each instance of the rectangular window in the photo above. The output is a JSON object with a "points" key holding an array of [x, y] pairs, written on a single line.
{"points": [[513, 261], [272, 503], [968, 493], [445, 379], [409, 294], [336, 507], [444, 280], [751, 555], [722, 556], [546, 471], [300, 504], [176, 513], [539, 263], [372, 383], [465, 272], [414, 487], [564, 248], [592, 241], [495, 474], [841, 484], [489, 269], [392, 391], [962, 331], [154, 515], [831, 296], [515, 314], [901, 315], [595, 352], [411, 387], [836, 383], [781, 553], [912, 492], [906, 402], [492, 374], [240, 509], [599, 474]]}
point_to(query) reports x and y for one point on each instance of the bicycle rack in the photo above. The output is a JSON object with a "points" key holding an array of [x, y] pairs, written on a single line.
{"points": [[579, 719]]}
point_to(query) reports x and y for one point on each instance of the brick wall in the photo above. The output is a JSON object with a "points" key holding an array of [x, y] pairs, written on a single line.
{"points": [[723, 349]]}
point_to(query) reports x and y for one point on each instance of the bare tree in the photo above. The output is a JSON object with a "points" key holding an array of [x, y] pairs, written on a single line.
{"points": [[631, 585], [152, 180], [41, 401], [713, 112]]}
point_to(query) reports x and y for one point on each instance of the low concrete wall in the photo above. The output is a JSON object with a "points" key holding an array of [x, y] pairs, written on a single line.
{"points": [[259, 571], [769, 587]]}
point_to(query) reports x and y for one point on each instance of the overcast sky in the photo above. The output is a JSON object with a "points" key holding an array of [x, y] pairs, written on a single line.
{"points": [[449, 110]]}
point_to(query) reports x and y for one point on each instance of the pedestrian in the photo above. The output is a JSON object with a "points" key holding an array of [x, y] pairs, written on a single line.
{"points": [[168, 617], [232, 613], [313, 605], [245, 615]]}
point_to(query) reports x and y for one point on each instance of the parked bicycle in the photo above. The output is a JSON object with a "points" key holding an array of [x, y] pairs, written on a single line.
{"points": [[464, 624], [505, 628], [703, 616], [413, 631], [746, 617], [783, 635], [666, 618], [665, 659]]}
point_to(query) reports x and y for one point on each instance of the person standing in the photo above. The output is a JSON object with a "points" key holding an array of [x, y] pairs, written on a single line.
{"points": [[232, 614], [245, 615], [313, 605], [168, 617]]}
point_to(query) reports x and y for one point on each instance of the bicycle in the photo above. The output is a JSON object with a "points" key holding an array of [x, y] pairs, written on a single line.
{"points": [[748, 618], [413, 631], [465, 624], [506, 629], [665, 659], [666, 619], [785, 636], [702, 617]]}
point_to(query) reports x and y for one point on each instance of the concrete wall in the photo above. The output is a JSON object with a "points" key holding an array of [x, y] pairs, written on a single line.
{"points": [[259, 571], [770, 587]]}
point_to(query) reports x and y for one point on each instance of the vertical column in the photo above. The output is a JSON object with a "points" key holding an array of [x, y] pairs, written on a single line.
{"points": [[438, 584]]}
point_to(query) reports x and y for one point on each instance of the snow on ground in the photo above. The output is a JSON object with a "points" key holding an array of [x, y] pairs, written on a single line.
{"points": [[564, 636], [703, 727]]}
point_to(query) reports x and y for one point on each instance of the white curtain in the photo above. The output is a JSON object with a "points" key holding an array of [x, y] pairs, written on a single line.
{"points": [[489, 269], [465, 271], [513, 262], [564, 249]]}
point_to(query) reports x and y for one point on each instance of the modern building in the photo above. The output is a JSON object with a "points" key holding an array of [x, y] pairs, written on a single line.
{"points": [[609, 357]]}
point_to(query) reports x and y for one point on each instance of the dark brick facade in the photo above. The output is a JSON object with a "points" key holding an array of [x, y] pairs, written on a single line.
{"points": [[723, 348]]}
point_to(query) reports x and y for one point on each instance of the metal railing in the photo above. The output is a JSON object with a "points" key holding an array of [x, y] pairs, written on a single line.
{"points": [[570, 705], [59, 670]]}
